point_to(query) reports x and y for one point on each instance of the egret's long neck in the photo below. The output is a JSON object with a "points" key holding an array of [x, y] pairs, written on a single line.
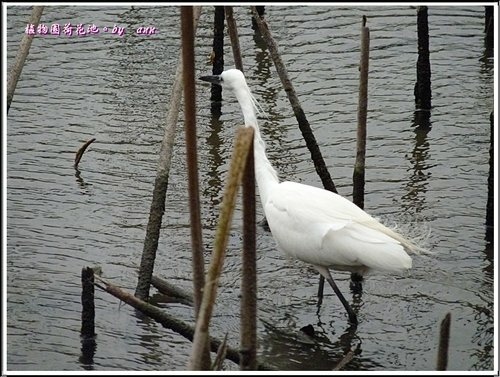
{"points": [[265, 174]]}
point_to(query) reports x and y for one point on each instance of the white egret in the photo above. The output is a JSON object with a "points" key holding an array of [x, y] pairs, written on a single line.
{"points": [[314, 225]]}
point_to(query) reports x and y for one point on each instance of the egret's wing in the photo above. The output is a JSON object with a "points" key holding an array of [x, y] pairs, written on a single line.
{"points": [[321, 227]]}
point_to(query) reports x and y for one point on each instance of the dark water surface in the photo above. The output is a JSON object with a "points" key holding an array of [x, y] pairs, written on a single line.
{"points": [[117, 90]]}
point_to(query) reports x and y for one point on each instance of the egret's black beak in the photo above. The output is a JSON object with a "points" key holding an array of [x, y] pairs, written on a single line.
{"points": [[215, 79]]}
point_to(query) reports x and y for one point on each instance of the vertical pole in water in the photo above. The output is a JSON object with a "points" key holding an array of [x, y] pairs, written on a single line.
{"points": [[88, 307], [161, 183], [423, 85], [22, 53], [488, 26], [444, 342], [305, 128], [248, 313], [192, 165], [358, 188], [491, 189], [260, 11], [233, 36], [87, 332], [358, 177], [217, 53]]}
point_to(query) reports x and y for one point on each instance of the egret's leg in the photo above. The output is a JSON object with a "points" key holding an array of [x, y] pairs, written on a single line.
{"points": [[321, 288], [326, 273]]}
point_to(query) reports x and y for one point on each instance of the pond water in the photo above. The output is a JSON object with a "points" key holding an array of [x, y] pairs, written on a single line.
{"points": [[116, 89]]}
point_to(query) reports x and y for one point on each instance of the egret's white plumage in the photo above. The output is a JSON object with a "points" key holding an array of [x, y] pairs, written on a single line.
{"points": [[314, 225]]}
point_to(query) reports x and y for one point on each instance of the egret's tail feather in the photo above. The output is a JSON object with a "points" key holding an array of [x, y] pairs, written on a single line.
{"points": [[414, 236]]}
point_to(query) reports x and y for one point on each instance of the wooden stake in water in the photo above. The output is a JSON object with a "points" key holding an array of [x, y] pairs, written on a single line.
{"points": [[444, 342], [88, 307], [358, 178], [197, 249], [161, 182], [233, 36], [244, 139], [260, 12], [423, 85], [22, 53], [490, 211], [248, 312], [488, 26], [217, 54]]}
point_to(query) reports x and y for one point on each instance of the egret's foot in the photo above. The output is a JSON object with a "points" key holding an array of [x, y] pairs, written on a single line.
{"points": [[353, 319], [356, 283]]}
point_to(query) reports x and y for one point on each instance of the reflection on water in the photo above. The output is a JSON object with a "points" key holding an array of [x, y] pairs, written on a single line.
{"points": [[416, 186], [60, 219]]}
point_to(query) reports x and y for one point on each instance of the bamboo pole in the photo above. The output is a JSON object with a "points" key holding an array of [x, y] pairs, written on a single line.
{"points": [[444, 342], [161, 182], [304, 126], [218, 57], [233, 36], [166, 320], [88, 307], [22, 53], [358, 187], [490, 207], [243, 140], [191, 151], [248, 308], [260, 12], [423, 91], [171, 290], [489, 15], [248, 311], [197, 249]]}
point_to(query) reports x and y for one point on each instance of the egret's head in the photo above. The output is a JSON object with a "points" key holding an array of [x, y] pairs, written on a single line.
{"points": [[229, 79]]}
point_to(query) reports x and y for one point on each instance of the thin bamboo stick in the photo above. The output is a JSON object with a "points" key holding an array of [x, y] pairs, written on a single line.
{"points": [[191, 151], [22, 53], [233, 36], [171, 290], [248, 311], [161, 182], [304, 126], [358, 179], [197, 249], [243, 141]]}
